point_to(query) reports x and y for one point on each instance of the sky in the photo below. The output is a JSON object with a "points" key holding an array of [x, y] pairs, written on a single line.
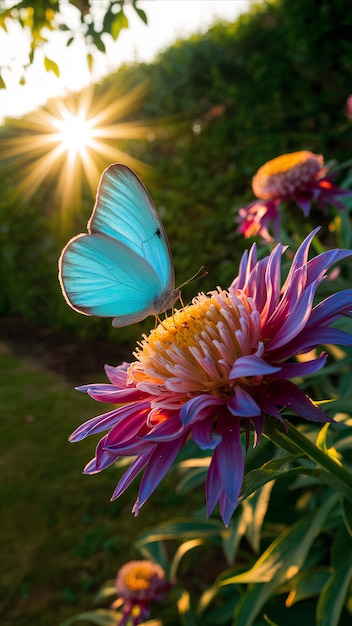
{"points": [[168, 20]]}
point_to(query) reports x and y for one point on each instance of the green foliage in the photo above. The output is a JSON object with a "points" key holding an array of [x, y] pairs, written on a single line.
{"points": [[41, 15]]}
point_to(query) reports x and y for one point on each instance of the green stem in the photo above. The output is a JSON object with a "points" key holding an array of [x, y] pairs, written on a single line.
{"points": [[294, 440]]}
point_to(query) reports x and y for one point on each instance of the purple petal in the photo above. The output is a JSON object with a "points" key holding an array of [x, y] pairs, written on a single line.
{"points": [[107, 393], [292, 370], [204, 436], [300, 258], [266, 401], [311, 338], [272, 283], [304, 204], [93, 468], [131, 473], [242, 404], [213, 486], [318, 266], [107, 420], [296, 320], [229, 457], [127, 429], [227, 508], [117, 375], [286, 394], [332, 308], [258, 425], [251, 365], [199, 407], [168, 430], [159, 463]]}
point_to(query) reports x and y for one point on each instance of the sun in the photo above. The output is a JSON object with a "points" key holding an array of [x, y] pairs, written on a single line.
{"points": [[74, 132], [65, 146]]}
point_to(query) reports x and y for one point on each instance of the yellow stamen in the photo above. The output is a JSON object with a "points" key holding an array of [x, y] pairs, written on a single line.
{"points": [[194, 351], [138, 578]]}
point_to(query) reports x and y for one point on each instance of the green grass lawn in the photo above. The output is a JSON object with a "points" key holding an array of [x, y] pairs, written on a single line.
{"points": [[61, 537]]}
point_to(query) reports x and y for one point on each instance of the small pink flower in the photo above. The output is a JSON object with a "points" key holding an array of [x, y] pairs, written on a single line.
{"points": [[299, 177], [138, 583], [214, 369]]}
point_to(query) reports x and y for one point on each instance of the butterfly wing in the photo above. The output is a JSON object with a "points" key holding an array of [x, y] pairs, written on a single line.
{"points": [[125, 211], [123, 267]]}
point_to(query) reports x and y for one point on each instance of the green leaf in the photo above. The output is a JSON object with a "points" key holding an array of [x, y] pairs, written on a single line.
{"points": [[232, 536], [100, 617], [180, 552], [226, 600], [254, 510], [118, 24], [342, 548], [333, 595], [90, 61], [346, 508], [107, 590], [140, 12], [154, 551], [308, 584], [321, 443], [181, 528], [271, 470], [281, 561], [2, 83], [97, 40], [3, 22], [191, 479], [51, 66], [269, 621]]}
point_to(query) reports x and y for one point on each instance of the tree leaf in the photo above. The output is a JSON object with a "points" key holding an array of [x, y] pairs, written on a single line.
{"points": [[51, 66], [141, 13], [118, 24], [90, 61]]}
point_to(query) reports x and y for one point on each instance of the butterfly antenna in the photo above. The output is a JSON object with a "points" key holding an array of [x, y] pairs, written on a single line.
{"points": [[195, 276]]}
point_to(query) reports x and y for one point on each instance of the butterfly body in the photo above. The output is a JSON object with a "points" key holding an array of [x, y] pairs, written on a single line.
{"points": [[122, 267]]}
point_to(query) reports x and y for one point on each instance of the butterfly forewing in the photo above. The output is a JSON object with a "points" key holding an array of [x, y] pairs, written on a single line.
{"points": [[125, 211]]}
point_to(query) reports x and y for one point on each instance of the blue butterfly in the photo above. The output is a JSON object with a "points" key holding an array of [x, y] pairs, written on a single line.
{"points": [[122, 268]]}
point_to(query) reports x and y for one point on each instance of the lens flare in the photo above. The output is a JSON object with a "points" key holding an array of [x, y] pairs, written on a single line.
{"points": [[59, 149]]}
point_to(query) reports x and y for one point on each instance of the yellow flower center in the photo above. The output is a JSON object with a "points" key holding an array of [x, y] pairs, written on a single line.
{"points": [[138, 578], [194, 350], [286, 174]]}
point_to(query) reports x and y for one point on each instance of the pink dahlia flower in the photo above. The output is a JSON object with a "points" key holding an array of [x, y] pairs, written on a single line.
{"points": [[214, 369], [138, 583], [299, 177]]}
